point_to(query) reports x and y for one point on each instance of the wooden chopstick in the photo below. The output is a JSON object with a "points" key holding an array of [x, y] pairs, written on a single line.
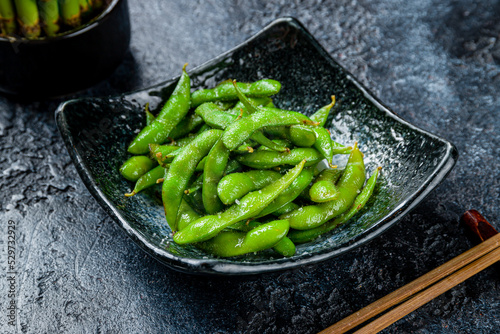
{"points": [[427, 295], [449, 274]]}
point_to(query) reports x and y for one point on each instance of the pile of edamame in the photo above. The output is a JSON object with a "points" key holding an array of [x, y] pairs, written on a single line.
{"points": [[241, 175]]}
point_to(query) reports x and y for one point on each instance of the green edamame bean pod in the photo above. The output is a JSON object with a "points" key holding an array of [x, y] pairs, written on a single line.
{"points": [[279, 143], [149, 116], [302, 135], [323, 143], [234, 243], [250, 205], [236, 185], [195, 185], [186, 215], [148, 180], [309, 235], [255, 101], [321, 116], [214, 116], [232, 166], [181, 169], [270, 159], [323, 188], [350, 183], [188, 124], [170, 115], [285, 247], [236, 133], [213, 171], [161, 153], [290, 193], [136, 166], [289, 207], [226, 92]]}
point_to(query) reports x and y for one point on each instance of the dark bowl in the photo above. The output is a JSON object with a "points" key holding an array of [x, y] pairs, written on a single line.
{"points": [[69, 62], [97, 132]]}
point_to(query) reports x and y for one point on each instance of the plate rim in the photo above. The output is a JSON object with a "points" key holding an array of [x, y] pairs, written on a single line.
{"points": [[220, 268]]}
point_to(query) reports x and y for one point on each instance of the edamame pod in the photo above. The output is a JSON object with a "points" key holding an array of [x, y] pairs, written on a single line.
{"points": [[149, 179], [290, 193], [236, 185], [270, 159], [181, 170], [219, 119], [323, 188], [285, 247], [186, 125], [250, 205], [136, 166], [350, 183], [363, 197], [226, 92], [236, 133], [213, 171], [321, 116], [170, 115], [234, 243], [186, 215]]}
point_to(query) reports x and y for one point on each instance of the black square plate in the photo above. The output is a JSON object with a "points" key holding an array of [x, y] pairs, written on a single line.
{"points": [[97, 131]]}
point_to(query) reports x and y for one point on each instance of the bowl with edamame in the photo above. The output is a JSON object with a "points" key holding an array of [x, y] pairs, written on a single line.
{"points": [[260, 173], [51, 48]]}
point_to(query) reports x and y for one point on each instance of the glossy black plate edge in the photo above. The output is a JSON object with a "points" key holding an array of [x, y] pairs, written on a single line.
{"points": [[215, 267], [188, 265]]}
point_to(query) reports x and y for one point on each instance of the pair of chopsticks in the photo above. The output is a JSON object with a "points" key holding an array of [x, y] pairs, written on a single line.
{"points": [[427, 287]]}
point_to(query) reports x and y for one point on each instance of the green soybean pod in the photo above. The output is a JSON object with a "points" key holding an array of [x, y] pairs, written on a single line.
{"points": [[321, 116], [136, 166], [232, 166], [214, 116], [236, 185], [250, 205], [303, 236], [290, 193], [195, 185], [323, 143], [181, 169], [161, 153], [8, 17], [350, 183], [323, 188], [260, 138], [183, 141], [236, 133], [279, 143], [170, 115], [285, 247], [226, 92], [148, 180], [289, 207], [186, 215], [302, 135], [255, 101], [270, 159], [234, 243], [188, 124], [213, 171]]}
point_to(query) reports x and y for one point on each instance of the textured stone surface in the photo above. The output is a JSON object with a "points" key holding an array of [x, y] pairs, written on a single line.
{"points": [[436, 63]]}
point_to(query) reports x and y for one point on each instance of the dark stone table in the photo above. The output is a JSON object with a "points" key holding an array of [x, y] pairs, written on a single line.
{"points": [[436, 63]]}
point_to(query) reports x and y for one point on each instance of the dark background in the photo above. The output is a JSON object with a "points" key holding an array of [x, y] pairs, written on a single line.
{"points": [[435, 63]]}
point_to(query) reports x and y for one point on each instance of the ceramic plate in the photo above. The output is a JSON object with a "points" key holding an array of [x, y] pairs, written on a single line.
{"points": [[97, 131]]}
